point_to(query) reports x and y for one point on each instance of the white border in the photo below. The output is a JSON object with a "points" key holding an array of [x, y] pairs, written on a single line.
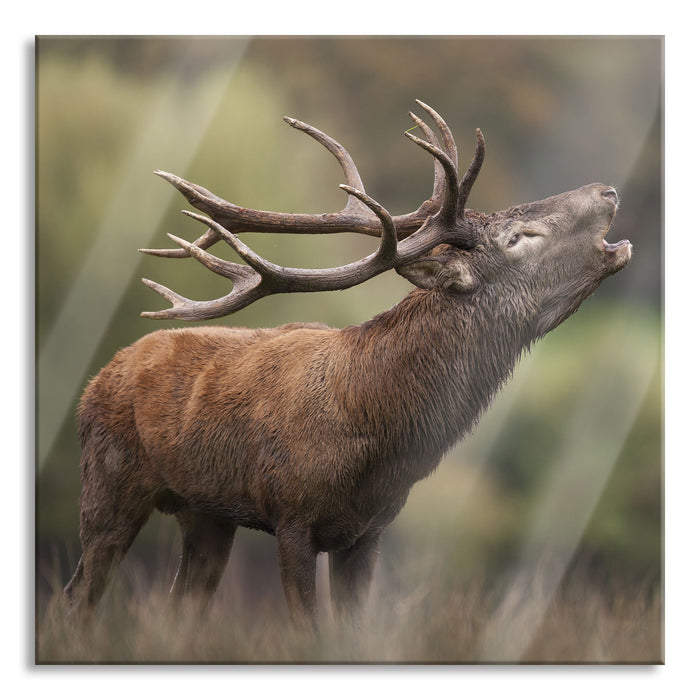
{"points": [[316, 17]]}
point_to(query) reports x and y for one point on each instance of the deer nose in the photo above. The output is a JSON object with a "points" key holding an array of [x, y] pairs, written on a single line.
{"points": [[610, 194]]}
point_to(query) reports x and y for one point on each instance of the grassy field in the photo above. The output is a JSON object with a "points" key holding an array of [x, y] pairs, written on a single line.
{"points": [[407, 622]]}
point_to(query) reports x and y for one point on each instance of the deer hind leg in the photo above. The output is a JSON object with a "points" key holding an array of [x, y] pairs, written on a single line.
{"points": [[114, 506], [113, 509], [206, 545]]}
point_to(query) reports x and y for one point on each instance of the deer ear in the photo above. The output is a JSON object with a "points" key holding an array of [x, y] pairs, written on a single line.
{"points": [[444, 267]]}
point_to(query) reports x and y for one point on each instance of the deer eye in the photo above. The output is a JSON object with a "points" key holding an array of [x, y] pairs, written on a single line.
{"points": [[513, 240]]}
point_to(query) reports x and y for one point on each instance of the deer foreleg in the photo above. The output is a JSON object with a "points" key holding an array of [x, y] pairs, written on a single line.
{"points": [[297, 560], [351, 574]]}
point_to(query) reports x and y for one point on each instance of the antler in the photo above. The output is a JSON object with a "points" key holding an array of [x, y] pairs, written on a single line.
{"points": [[432, 223]]}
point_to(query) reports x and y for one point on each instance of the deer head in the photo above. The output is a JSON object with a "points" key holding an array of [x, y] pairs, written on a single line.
{"points": [[545, 257]]}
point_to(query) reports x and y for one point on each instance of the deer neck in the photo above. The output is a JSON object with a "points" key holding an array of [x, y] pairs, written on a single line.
{"points": [[424, 371]]}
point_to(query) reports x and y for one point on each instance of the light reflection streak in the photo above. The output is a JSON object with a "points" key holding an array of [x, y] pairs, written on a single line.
{"points": [[181, 114], [598, 429], [597, 432]]}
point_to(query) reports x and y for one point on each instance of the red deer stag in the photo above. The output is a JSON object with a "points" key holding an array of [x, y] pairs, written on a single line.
{"points": [[316, 435]]}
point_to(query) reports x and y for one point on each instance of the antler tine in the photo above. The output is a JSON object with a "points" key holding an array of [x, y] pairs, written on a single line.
{"points": [[389, 242], [467, 182], [352, 175], [447, 137], [439, 176], [203, 242], [449, 202], [194, 194], [224, 268], [185, 309], [174, 298], [263, 267]]}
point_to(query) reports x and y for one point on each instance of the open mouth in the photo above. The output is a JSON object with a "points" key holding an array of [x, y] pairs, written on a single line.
{"points": [[616, 255], [614, 249], [611, 248]]}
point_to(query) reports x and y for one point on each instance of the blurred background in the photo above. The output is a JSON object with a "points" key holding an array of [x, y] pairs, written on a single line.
{"points": [[566, 468]]}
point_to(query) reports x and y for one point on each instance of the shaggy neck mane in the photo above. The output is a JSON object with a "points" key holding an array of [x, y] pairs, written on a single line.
{"points": [[404, 363]]}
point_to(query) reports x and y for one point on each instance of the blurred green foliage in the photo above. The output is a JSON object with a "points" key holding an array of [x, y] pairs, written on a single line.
{"points": [[557, 113]]}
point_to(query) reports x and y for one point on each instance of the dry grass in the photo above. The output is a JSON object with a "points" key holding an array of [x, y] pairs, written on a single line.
{"points": [[581, 623]]}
